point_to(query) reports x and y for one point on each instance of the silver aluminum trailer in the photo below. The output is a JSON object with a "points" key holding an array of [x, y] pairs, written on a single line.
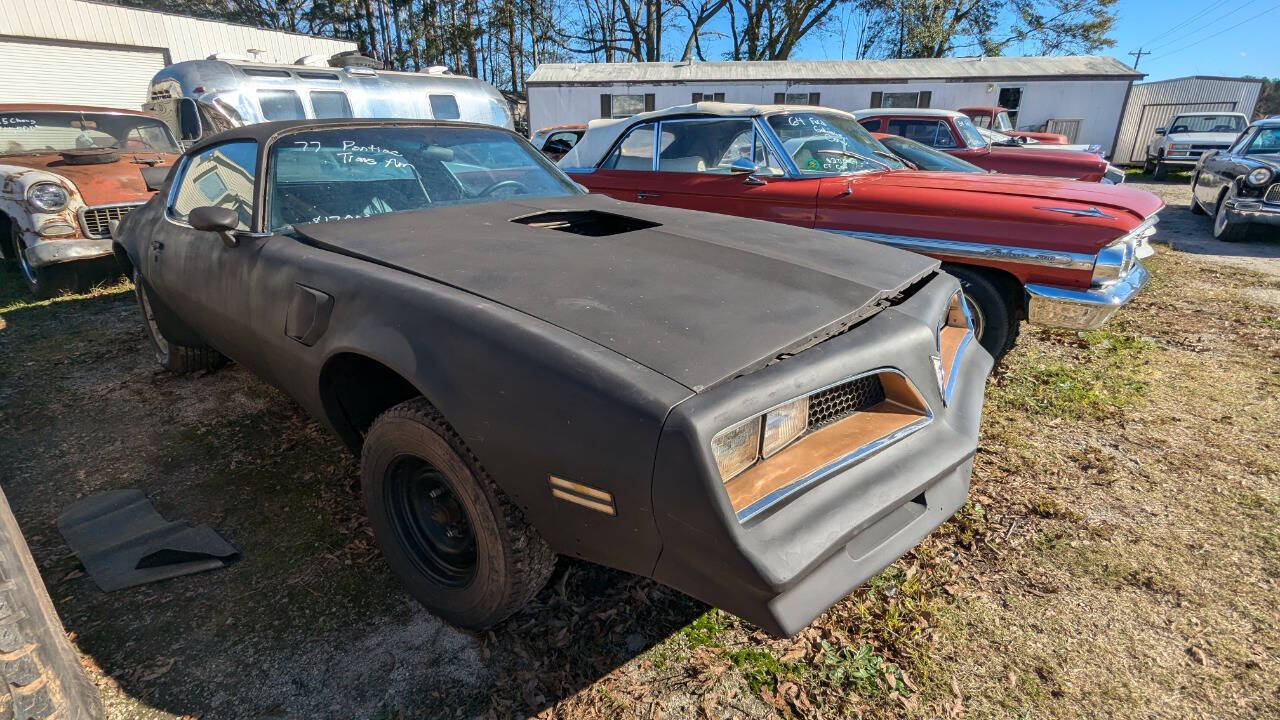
{"points": [[199, 97]]}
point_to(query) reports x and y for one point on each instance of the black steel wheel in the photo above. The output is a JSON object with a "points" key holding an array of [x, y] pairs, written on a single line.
{"points": [[461, 547]]}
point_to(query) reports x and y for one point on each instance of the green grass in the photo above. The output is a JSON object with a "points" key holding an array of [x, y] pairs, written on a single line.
{"points": [[1100, 372], [705, 630], [762, 669], [861, 671]]}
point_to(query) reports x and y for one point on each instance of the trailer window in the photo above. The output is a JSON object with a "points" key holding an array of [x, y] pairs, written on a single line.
{"points": [[444, 107], [280, 105], [330, 104]]}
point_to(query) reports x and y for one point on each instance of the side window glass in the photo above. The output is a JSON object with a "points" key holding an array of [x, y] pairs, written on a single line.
{"points": [[871, 124], [444, 107], [945, 139], [330, 104], [280, 105], [635, 152], [1241, 143], [704, 146], [220, 176]]}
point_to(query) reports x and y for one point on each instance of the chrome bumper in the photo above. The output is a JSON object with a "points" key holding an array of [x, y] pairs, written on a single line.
{"points": [[50, 252], [1073, 309], [1249, 210]]}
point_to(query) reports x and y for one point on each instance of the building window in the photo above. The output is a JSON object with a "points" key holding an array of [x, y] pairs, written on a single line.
{"points": [[919, 99], [796, 98], [620, 106], [708, 97], [1010, 99]]}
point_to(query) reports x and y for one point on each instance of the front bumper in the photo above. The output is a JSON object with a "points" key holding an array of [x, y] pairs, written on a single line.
{"points": [[1074, 309], [1181, 160], [781, 568], [1252, 210], [53, 251]]}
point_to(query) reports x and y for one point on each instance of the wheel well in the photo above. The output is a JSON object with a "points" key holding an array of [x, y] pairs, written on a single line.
{"points": [[122, 256], [355, 390], [6, 238], [1009, 285]]}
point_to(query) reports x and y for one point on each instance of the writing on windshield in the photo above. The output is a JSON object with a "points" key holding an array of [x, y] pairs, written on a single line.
{"points": [[826, 143]]}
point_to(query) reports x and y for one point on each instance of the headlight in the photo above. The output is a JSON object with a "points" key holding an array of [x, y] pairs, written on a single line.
{"points": [[1261, 176], [48, 196], [784, 424], [736, 449]]}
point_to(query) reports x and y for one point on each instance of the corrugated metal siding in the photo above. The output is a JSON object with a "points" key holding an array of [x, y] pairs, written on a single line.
{"points": [[1065, 67], [109, 77], [184, 38], [1152, 105]]}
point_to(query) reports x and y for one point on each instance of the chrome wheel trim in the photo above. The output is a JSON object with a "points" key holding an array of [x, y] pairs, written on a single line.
{"points": [[149, 317], [1220, 218], [976, 317]]}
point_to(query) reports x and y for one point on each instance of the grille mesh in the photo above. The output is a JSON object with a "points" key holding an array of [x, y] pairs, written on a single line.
{"points": [[1273, 194], [834, 403], [97, 220]]}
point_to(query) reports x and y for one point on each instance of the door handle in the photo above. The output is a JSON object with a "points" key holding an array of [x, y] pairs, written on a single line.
{"points": [[647, 195], [755, 180], [156, 245]]}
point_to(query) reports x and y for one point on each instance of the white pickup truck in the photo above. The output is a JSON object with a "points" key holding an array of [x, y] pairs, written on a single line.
{"points": [[1188, 136]]}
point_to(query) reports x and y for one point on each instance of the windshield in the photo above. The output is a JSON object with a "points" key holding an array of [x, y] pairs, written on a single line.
{"points": [[1206, 123], [968, 132], [1265, 142], [826, 143], [925, 157], [28, 133], [343, 173], [1002, 121], [996, 138]]}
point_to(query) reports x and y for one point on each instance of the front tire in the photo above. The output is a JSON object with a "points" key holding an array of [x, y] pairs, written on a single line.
{"points": [[1223, 228], [44, 282], [458, 543], [178, 359], [1194, 207], [995, 323], [1160, 171]]}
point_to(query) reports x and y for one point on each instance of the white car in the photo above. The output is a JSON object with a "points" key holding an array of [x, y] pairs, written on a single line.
{"points": [[995, 137], [1190, 135]]}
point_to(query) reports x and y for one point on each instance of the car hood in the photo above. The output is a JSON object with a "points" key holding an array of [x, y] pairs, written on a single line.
{"points": [[102, 183], [1204, 137], [1069, 160], [1138, 204], [695, 296]]}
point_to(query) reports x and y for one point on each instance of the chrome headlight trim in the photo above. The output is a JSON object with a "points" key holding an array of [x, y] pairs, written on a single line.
{"points": [[48, 196], [1260, 176], [1115, 260]]}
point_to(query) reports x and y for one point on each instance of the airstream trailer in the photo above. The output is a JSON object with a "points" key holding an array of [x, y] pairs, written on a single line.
{"points": [[199, 97]]}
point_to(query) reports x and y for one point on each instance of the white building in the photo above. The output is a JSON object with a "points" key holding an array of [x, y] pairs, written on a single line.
{"points": [[1037, 90], [1152, 105], [89, 53]]}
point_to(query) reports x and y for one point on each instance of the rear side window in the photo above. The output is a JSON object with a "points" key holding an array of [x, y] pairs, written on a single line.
{"points": [[220, 176], [444, 107], [330, 104], [280, 105]]}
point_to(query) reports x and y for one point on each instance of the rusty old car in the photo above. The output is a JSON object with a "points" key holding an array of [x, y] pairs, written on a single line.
{"points": [[1052, 251], [760, 416], [67, 174]]}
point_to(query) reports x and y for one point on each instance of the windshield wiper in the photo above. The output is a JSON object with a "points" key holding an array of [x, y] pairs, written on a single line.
{"points": [[849, 153], [889, 155]]}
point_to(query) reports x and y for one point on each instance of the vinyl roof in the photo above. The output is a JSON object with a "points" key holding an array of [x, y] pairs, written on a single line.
{"points": [[817, 71]]}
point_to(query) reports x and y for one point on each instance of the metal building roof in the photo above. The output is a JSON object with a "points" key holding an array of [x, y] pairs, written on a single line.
{"points": [[817, 71]]}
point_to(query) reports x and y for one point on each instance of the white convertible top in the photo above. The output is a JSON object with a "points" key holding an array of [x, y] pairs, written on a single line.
{"points": [[602, 133]]}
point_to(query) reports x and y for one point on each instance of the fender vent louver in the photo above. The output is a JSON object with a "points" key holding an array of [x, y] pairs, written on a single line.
{"points": [[592, 223]]}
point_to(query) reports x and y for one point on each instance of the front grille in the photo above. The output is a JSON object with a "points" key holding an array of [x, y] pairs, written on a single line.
{"points": [[97, 220], [1273, 194], [834, 403], [1208, 146]]}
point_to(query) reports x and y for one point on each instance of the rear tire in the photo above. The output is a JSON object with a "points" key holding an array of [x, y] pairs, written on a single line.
{"points": [[1159, 172], [995, 322], [178, 359], [458, 543], [40, 670]]}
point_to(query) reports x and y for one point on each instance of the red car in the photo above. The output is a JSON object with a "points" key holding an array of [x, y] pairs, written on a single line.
{"points": [[997, 118], [1055, 252], [955, 133], [67, 172]]}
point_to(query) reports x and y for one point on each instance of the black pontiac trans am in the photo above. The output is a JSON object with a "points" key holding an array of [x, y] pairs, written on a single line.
{"points": [[760, 416]]}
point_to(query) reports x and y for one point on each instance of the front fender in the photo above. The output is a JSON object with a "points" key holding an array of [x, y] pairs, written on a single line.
{"points": [[33, 223]]}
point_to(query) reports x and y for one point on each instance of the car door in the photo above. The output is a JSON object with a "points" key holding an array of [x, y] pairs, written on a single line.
{"points": [[618, 174], [1217, 171], [695, 171]]}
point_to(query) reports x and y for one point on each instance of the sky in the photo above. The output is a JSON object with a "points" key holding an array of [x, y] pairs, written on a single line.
{"points": [[1205, 37]]}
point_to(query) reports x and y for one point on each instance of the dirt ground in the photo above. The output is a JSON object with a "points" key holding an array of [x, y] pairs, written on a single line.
{"points": [[1119, 557]]}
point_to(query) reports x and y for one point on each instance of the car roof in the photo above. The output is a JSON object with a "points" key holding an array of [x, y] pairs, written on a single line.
{"points": [[908, 112], [56, 107], [261, 133], [1267, 122]]}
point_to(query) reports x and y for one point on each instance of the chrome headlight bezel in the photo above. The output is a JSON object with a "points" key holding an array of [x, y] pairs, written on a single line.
{"points": [[48, 196], [1259, 176], [1115, 260]]}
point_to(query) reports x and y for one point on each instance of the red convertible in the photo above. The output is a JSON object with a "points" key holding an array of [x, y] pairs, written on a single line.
{"points": [[1054, 252], [956, 134]]}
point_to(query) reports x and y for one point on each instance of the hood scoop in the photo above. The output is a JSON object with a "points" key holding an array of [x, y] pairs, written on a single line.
{"points": [[592, 223]]}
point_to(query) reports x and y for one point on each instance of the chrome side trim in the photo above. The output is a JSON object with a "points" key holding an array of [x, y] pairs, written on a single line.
{"points": [[831, 468], [955, 364], [1093, 211], [977, 250]]}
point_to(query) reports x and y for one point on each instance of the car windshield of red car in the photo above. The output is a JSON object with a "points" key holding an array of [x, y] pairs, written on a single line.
{"points": [[38, 132], [968, 132], [826, 143], [344, 173], [926, 158]]}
